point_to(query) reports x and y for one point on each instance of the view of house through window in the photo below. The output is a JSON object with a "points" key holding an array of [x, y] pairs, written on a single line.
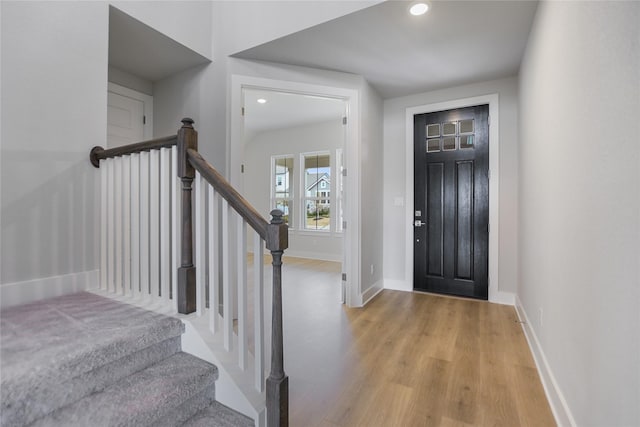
{"points": [[282, 189], [317, 195]]}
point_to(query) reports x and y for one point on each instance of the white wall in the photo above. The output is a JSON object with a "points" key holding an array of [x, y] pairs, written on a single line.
{"points": [[130, 81], [371, 198], [240, 25], [395, 220], [326, 136], [187, 22], [580, 206], [54, 109], [190, 93]]}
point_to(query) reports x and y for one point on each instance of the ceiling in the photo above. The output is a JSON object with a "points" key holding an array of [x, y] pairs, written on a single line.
{"points": [[140, 50], [455, 43], [286, 110]]}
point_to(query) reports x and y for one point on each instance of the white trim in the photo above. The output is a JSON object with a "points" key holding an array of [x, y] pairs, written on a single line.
{"points": [[494, 188], [147, 101], [504, 298], [351, 153], [559, 407], [397, 285], [302, 201], [292, 187], [370, 293], [18, 293], [321, 256]]}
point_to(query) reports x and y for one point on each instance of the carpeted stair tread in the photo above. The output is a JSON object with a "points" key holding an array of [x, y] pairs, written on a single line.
{"points": [[218, 415], [50, 346], [154, 396], [68, 328]]}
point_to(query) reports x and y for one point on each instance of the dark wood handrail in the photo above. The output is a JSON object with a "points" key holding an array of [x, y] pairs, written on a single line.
{"points": [[98, 153], [235, 199]]}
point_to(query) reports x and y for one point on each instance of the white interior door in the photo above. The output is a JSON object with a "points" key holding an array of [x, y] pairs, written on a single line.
{"points": [[128, 116]]}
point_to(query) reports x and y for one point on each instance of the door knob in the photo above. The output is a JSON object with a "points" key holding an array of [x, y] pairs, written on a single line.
{"points": [[418, 223]]}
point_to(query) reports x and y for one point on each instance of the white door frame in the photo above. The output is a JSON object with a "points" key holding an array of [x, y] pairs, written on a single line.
{"points": [[147, 101], [351, 153], [494, 187]]}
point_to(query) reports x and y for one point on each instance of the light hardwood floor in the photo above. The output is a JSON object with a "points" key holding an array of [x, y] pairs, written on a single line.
{"points": [[406, 359]]}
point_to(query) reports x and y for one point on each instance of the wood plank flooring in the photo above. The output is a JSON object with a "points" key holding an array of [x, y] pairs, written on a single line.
{"points": [[406, 359]]}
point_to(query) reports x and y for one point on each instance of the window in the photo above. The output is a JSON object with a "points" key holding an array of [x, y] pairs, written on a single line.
{"points": [[314, 199], [317, 191], [282, 189], [339, 189]]}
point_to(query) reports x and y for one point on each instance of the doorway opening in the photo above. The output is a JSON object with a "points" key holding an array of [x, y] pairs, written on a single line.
{"points": [[349, 202], [292, 160]]}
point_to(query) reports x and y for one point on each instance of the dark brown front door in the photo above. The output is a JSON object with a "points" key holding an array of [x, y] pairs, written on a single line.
{"points": [[451, 199]]}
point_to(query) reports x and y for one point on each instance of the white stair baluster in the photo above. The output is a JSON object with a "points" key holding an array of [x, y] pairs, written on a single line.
{"points": [[258, 311], [165, 224], [241, 258], [227, 307], [213, 253], [135, 224], [175, 227], [154, 224], [104, 216], [199, 235], [111, 239], [117, 194], [145, 158], [126, 225]]}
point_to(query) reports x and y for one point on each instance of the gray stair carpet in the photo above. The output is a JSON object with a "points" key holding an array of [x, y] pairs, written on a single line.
{"points": [[86, 360], [218, 415]]}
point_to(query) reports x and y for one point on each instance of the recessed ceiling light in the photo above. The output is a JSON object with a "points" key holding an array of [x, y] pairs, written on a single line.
{"points": [[419, 9], [262, 101]]}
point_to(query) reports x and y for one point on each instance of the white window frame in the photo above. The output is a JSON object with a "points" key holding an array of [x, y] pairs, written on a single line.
{"points": [[336, 193], [292, 187], [303, 192]]}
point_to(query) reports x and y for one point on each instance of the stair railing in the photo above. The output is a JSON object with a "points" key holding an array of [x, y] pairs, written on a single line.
{"points": [[148, 237]]}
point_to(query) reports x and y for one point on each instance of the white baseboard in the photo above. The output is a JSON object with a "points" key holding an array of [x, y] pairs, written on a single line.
{"points": [[504, 298], [371, 292], [49, 287], [398, 285], [556, 399], [313, 255]]}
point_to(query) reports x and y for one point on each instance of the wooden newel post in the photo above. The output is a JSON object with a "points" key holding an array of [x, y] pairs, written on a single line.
{"points": [[187, 138], [278, 382]]}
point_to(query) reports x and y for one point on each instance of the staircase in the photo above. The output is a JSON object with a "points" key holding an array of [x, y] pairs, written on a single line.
{"points": [[176, 237], [86, 360]]}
